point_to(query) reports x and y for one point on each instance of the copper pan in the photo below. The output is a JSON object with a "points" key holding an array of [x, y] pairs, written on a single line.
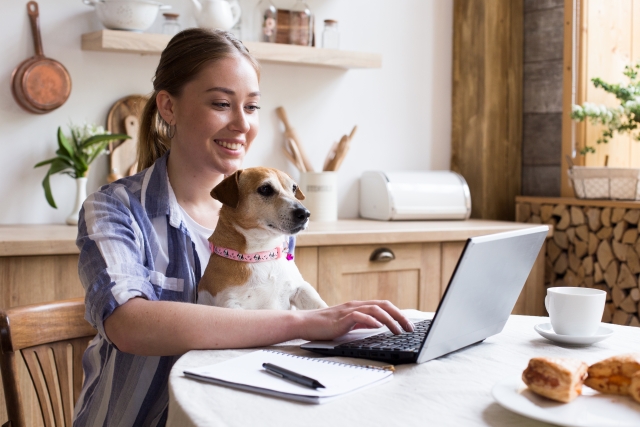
{"points": [[39, 84]]}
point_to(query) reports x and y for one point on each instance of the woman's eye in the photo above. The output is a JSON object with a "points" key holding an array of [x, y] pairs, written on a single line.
{"points": [[252, 108], [266, 190], [221, 104]]}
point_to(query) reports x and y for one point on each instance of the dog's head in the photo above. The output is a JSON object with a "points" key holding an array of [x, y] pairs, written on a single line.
{"points": [[263, 198]]}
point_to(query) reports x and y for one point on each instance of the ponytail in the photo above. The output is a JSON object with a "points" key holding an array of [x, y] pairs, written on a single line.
{"points": [[153, 141]]}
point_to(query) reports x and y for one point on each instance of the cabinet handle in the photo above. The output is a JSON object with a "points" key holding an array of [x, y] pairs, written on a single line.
{"points": [[382, 255]]}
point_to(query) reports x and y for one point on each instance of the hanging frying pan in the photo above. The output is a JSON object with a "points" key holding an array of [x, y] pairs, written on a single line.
{"points": [[39, 84]]}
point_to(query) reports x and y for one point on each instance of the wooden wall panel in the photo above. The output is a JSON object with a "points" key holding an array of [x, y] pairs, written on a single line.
{"points": [[486, 138]]}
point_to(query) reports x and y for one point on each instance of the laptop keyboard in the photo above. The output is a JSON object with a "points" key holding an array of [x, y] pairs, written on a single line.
{"points": [[387, 341]]}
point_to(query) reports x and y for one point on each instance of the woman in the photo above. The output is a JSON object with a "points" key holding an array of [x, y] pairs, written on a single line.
{"points": [[143, 240]]}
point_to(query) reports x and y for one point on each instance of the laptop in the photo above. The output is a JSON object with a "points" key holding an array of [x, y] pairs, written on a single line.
{"points": [[479, 298]]}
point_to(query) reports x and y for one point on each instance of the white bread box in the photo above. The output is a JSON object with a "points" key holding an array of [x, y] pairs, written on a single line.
{"points": [[414, 195]]}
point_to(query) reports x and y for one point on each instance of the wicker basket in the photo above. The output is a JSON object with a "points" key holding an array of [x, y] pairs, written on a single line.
{"points": [[605, 183]]}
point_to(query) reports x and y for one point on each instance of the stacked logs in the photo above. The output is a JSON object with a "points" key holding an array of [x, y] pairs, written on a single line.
{"points": [[594, 247]]}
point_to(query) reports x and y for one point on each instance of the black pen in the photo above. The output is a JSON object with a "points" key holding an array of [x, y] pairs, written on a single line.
{"points": [[291, 376]]}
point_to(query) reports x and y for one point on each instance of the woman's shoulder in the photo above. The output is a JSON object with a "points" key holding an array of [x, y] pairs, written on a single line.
{"points": [[129, 184]]}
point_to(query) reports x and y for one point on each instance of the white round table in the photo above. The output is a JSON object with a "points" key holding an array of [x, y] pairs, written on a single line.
{"points": [[454, 390]]}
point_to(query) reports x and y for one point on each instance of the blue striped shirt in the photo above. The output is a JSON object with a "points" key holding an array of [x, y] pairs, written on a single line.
{"points": [[133, 243]]}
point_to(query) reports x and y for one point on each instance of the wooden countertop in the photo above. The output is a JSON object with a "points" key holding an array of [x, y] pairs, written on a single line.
{"points": [[38, 239], [363, 231], [57, 239]]}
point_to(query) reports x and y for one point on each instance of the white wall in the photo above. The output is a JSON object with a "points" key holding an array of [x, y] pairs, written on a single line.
{"points": [[403, 110]]}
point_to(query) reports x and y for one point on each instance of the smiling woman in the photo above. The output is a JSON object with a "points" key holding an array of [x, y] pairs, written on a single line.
{"points": [[143, 240]]}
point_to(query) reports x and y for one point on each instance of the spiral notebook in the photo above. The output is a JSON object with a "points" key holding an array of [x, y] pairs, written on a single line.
{"points": [[246, 373]]}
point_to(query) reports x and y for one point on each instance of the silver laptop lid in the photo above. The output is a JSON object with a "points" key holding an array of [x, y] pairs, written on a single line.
{"points": [[483, 290]]}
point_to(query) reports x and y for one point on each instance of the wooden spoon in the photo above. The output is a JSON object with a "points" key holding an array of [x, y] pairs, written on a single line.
{"points": [[289, 132]]}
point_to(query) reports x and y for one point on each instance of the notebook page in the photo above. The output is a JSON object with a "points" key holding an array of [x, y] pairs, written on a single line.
{"points": [[336, 377]]}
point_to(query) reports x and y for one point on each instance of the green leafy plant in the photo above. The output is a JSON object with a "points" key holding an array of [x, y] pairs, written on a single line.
{"points": [[623, 118], [76, 153]]}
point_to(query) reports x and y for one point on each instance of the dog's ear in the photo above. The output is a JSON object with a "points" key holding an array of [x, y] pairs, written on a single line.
{"points": [[299, 194], [228, 191]]}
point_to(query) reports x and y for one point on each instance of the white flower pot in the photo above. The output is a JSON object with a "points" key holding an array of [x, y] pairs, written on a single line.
{"points": [[81, 195]]}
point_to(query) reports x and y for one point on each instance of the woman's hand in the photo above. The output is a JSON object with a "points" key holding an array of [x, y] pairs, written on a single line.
{"points": [[328, 323]]}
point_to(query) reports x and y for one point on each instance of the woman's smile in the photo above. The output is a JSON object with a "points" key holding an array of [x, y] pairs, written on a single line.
{"points": [[231, 144]]}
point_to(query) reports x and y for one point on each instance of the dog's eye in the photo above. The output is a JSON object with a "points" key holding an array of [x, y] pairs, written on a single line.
{"points": [[266, 190], [295, 188]]}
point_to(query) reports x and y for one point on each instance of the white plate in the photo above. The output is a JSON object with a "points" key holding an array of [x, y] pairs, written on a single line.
{"points": [[592, 409], [546, 331]]}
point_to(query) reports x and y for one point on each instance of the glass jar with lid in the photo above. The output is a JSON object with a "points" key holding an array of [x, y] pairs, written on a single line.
{"points": [[265, 22], [331, 34], [171, 26], [300, 24]]}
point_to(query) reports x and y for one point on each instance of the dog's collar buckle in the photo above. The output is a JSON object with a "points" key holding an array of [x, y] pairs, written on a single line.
{"points": [[271, 255]]}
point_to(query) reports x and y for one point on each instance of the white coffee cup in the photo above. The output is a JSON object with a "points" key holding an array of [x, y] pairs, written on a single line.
{"points": [[575, 311]]}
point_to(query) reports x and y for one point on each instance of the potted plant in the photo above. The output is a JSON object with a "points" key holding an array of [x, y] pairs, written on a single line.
{"points": [[73, 157], [605, 182]]}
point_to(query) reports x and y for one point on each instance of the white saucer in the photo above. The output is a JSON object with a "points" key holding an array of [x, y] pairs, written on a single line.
{"points": [[591, 409], [546, 331]]}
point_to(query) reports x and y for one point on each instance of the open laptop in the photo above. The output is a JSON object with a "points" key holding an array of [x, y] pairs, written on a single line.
{"points": [[479, 298]]}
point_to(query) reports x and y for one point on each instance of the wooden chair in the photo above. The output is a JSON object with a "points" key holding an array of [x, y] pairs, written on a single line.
{"points": [[52, 338]]}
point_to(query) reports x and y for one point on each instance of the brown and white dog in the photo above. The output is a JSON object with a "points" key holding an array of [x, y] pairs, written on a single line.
{"points": [[250, 267]]}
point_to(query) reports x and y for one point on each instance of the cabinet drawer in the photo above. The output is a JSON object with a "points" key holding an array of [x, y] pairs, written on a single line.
{"points": [[410, 280]]}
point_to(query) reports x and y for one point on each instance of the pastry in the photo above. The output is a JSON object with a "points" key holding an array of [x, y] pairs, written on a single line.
{"points": [[556, 378], [613, 375], [634, 387]]}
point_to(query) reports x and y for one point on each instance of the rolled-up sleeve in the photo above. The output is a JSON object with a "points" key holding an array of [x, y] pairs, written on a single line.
{"points": [[111, 265]]}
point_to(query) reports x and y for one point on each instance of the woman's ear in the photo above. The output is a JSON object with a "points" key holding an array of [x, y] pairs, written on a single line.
{"points": [[165, 103], [228, 191]]}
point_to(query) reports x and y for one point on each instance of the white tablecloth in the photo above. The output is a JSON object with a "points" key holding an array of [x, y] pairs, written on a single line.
{"points": [[454, 390]]}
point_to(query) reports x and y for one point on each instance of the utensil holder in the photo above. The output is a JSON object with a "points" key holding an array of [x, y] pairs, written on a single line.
{"points": [[321, 195]]}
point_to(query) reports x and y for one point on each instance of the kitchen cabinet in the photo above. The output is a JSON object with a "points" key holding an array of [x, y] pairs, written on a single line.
{"points": [[145, 43], [334, 257], [39, 263]]}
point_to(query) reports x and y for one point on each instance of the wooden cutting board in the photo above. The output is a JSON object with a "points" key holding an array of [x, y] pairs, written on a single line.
{"points": [[123, 158], [123, 152]]}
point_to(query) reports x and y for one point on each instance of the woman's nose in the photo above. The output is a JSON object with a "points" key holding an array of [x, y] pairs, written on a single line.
{"points": [[239, 122]]}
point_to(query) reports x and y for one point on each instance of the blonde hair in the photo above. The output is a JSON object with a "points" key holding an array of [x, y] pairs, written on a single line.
{"points": [[180, 63]]}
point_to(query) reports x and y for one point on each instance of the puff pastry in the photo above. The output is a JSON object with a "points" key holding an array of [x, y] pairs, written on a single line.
{"points": [[613, 375], [634, 387], [556, 378]]}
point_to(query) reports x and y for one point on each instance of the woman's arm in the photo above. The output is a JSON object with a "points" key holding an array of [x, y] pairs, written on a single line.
{"points": [[160, 328]]}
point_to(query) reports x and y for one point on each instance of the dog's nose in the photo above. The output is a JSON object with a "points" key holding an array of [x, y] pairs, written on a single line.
{"points": [[300, 215]]}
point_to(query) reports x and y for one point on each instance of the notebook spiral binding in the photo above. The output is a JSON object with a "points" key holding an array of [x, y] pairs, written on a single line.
{"points": [[328, 362]]}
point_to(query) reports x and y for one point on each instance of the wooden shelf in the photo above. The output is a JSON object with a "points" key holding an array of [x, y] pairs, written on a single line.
{"points": [[130, 42]]}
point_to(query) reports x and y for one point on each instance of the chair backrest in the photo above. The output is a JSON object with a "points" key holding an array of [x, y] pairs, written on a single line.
{"points": [[52, 338]]}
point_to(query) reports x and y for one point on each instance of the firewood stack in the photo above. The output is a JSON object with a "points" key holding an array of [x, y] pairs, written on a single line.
{"points": [[594, 247]]}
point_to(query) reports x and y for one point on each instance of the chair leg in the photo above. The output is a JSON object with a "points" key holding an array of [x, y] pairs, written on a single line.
{"points": [[12, 396]]}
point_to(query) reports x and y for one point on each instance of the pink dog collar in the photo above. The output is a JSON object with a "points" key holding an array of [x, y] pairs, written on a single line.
{"points": [[271, 255]]}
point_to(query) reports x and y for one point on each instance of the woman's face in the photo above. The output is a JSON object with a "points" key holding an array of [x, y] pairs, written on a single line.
{"points": [[216, 116]]}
